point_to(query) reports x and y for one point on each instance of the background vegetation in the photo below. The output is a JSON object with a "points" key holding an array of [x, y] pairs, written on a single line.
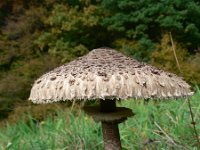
{"points": [[36, 36], [155, 125]]}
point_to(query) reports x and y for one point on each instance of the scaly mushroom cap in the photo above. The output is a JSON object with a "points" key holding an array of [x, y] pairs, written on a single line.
{"points": [[106, 74]]}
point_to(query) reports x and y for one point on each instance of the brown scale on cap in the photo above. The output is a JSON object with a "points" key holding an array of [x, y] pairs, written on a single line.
{"points": [[108, 69]]}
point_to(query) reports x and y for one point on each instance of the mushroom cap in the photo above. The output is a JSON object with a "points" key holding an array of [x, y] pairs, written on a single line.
{"points": [[105, 73]]}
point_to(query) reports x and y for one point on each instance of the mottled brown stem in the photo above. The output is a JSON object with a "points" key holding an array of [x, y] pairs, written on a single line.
{"points": [[107, 106], [110, 130], [111, 136]]}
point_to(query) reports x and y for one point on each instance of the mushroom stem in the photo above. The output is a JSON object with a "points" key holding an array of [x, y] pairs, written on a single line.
{"points": [[107, 106], [111, 136], [110, 130]]}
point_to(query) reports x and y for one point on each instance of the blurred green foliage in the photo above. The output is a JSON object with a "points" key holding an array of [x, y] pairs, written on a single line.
{"points": [[163, 57], [36, 36], [149, 19]]}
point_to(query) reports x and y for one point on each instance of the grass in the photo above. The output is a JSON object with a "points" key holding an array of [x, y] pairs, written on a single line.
{"points": [[162, 125]]}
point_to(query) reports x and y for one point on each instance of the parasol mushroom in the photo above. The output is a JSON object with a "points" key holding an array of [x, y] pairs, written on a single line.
{"points": [[107, 75]]}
